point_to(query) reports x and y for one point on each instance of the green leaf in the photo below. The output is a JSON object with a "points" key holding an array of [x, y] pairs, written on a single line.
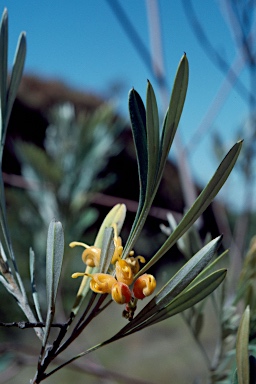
{"points": [[3, 67], [242, 356], [142, 127], [33, 284], [152, 126], [199, 206], [176, 284], [235, 378], [16, 75], [115, 216], [191, 296], [184, 301], [54, 258], [3, 222], [138, 125], [174, 111], [107, 250], [208, 268]]}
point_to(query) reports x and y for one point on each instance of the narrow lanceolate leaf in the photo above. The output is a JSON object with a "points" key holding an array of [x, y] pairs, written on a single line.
{"points": [[3, 67], [242, 356], [139, 132], [173, 115], [209, 268], [190, 297], [146, 171], [235, 378], [16, 74], [176, 284], [107, 250], [201, 203], [33, 284], [54, 258], [152, 126], [115, 216], [138, 124]]}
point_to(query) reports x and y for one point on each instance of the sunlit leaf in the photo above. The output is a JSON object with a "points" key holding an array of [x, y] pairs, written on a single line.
{"points": [[142, 123], [173, 114], [16, 74], [54, 258], [115, 216], [107, 250], [242, 355], [152, 124], [201, 203]]}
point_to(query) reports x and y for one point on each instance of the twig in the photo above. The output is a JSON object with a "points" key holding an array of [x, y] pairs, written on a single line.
{"points": [[24, 325]]}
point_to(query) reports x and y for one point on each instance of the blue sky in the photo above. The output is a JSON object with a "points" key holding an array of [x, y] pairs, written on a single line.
{"points": [[83, 44]]}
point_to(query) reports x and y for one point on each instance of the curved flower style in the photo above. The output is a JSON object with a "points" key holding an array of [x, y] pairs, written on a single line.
{"points": [[134, 262], [91, 255], [100, 282], [118, 246]]}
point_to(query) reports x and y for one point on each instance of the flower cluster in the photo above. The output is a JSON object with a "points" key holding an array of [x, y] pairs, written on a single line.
{"points": [[121, 277]]}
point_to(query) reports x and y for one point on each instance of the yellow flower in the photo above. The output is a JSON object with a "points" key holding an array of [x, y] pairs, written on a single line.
{"points": [[118, 245], [91, 255], [124, 272], [144, 286], [100, 282], [118, 249], [121, 293], [134, 262]]}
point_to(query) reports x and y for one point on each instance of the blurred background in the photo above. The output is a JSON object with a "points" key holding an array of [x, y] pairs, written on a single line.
{"points": [[69, 150]]}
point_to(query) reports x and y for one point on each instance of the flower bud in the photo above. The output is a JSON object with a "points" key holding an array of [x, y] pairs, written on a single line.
{"points": [[144, 286], [121, 293], [124, 272]]}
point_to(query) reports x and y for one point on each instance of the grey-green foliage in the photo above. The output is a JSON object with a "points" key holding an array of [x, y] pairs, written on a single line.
{"points": [[77, 149]]}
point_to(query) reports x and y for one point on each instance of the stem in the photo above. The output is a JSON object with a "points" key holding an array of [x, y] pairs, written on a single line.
{"points": [[81, 325]]}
